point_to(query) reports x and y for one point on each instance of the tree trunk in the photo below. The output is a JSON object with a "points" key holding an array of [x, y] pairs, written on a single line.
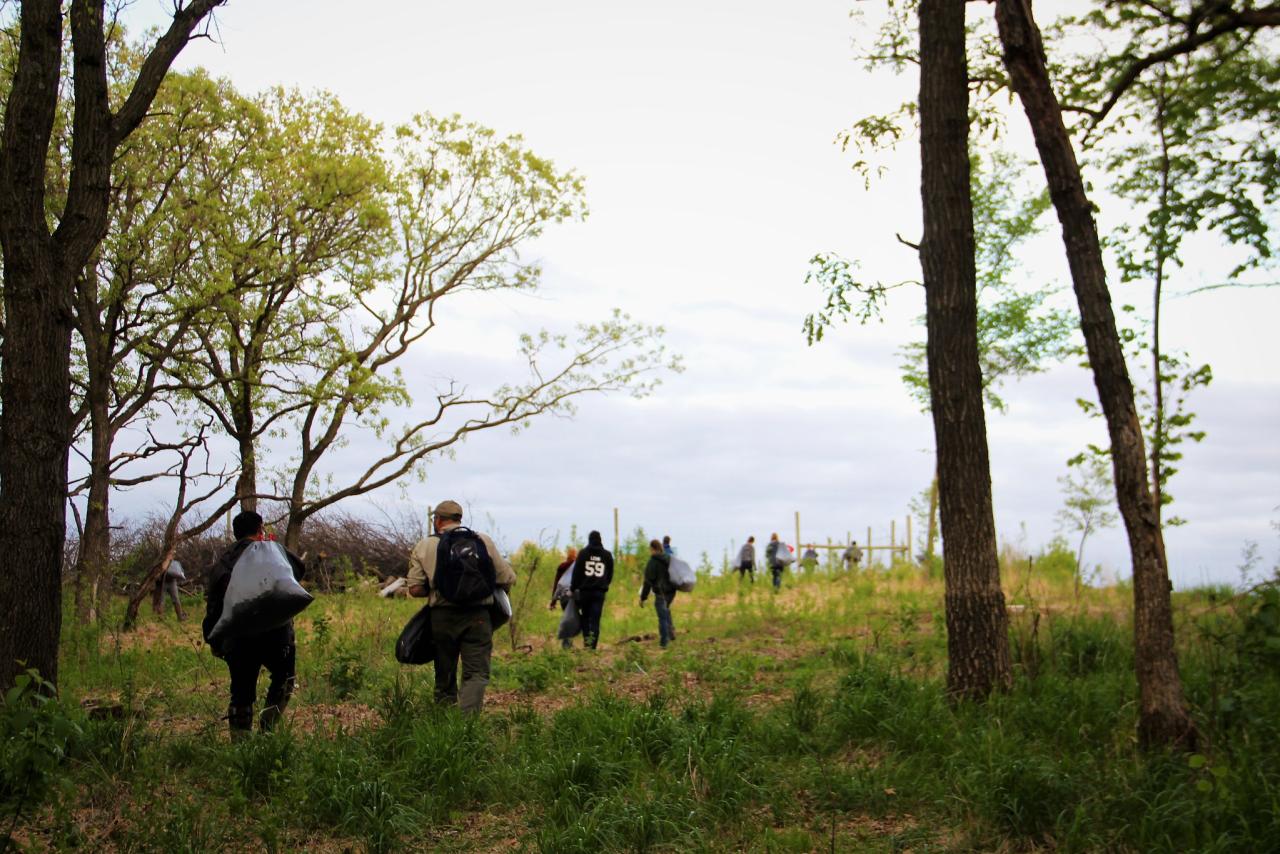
{"points": [[1163, 717], [34, 392], [293, 533], [95, 542], [147, 585], [95, 549], [247, 483], [977, 625], [35, 434], [40, 270]]}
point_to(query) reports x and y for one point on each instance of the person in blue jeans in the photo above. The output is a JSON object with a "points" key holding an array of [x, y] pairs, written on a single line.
{"points": [[657, 577]]}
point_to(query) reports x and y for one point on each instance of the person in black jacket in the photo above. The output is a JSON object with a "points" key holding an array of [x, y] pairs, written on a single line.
{"points": [[592, 575], [246, 656], [657, 577]]}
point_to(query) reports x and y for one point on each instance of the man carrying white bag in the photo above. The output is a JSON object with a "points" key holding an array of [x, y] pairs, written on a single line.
{"points": [[252, 597]]}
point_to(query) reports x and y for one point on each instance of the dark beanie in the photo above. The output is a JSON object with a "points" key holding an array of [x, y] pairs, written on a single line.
{"points": [[593, 538]]}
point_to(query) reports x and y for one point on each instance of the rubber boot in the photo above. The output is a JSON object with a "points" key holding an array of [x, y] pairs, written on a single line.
{"points": [[240, 721]]}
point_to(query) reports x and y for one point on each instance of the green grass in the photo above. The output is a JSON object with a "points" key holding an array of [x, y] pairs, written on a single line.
{"points": [[801, 721]]}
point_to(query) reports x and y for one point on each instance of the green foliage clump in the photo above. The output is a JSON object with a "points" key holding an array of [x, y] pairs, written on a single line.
{"points": [[36, 734], [346, 674]]}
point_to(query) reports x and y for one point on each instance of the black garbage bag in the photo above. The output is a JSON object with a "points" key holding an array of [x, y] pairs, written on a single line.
{"points": [[500, 610], [415, 645], [570, 627]]}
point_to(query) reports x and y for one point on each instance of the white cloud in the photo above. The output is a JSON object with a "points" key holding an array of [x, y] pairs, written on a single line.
{"points": [[705, 132]]}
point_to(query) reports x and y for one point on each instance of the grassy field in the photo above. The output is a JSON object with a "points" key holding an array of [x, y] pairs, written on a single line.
{"points": [[809, 720]]}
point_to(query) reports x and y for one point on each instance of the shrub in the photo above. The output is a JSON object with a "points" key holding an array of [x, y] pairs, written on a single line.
{"points": [[36, 734]]}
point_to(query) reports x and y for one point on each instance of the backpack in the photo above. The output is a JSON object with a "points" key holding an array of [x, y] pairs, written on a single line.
{"points": [[464, 571]]}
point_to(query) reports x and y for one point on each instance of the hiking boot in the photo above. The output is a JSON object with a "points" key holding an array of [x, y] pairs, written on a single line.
{"points": [[239, 722]]}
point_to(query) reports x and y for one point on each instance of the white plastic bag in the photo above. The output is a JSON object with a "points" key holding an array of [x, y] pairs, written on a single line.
{"points": [[261, 595], [682, 575], [562, 585], [175, 570], [784, 555]]}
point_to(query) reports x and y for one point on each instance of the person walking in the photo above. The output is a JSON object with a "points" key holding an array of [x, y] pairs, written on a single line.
{"points": [[274, 649], [167, 585], [592, 575], [852, 555], [560, 594], [657, 578], [774, 560], [747, 559], [668, 549], [809, 560], [459, 570]]}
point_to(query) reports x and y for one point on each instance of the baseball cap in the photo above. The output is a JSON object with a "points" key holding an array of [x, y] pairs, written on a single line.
{"points": [[447, 508]]}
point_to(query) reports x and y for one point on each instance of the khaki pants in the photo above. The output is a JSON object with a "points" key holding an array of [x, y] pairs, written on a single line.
{"points": [[465, 633]]}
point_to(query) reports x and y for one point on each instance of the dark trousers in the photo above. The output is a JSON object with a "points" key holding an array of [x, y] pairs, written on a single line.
{"points": [[666, 626], [745, 569], [276, 652], [465, 633], [590, 604], [166, 585], [777, 575]]}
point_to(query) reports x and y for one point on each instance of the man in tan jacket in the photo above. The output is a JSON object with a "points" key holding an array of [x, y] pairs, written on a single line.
{"points": [[460, 629]]}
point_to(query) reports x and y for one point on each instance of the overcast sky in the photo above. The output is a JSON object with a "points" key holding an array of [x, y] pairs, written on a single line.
{"points": [[705, 132]]}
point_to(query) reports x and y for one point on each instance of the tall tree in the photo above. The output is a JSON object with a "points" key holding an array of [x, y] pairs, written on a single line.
{"points": [[132, 315], [464, 203], [1163, 715], [296, 194], [977, 625], [40, 270], [1197, 158]]}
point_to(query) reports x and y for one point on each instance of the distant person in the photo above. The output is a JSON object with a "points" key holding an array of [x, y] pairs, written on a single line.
{"points": [[167, 585], [557, 596], [444, 565], [274, 649], [775, 563], [747, 560], [667, 547], [592, 575], [657, 577], [852, 556], [809, 560], [560, 593]]}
